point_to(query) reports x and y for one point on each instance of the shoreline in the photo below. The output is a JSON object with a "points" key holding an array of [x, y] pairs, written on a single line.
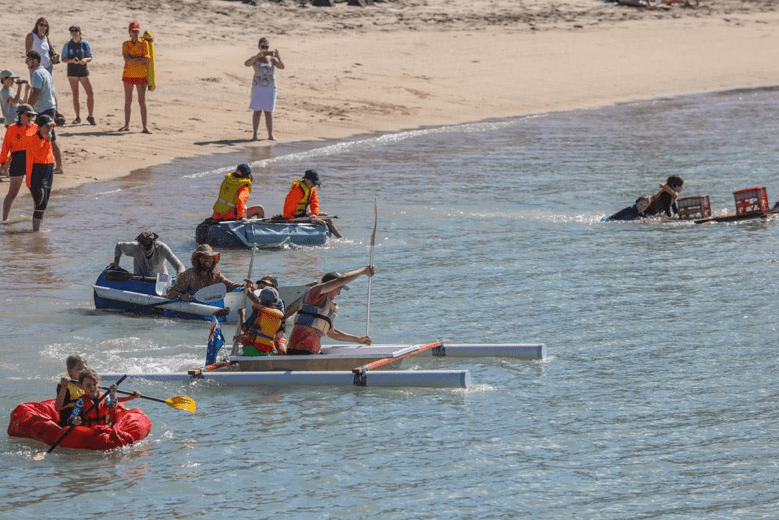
{"points": [[471, 70]]}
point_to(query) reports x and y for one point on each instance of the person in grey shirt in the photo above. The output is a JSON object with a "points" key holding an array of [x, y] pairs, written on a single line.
{"points": [[43, 99], [149, 255]]}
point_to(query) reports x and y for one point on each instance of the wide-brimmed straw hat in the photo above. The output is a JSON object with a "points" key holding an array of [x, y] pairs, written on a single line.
{"points": [[205, 250]]}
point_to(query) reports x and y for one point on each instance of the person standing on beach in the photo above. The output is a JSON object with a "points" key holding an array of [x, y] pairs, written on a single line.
{"points": [[77, 53], [11, 99], [38, 41], [264, 86], [43, 99], [136, 58], [15, 146]]}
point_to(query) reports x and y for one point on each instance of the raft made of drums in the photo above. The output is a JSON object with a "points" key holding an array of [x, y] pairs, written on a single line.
{"points": [[345, 365], [262, 233], [39, 421], [120, 291]]}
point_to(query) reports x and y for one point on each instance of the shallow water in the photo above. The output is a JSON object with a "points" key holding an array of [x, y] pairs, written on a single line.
{"points": [[657, 401]]}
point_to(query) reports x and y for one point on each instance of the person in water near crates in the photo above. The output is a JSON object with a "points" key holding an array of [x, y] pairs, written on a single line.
{"points": [[149, 255], [234, 194], [302, 201], [665, 199], [317, 314], [632, 212]]}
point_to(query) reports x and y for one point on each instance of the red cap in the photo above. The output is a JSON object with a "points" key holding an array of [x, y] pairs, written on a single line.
{"points": [[135, 26]]}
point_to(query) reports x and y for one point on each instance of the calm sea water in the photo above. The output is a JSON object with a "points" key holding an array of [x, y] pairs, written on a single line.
{"points": [[658, 399]]}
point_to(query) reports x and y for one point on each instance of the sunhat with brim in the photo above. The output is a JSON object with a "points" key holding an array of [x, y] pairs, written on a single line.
{"points": [[147, 238], [205, 250]]}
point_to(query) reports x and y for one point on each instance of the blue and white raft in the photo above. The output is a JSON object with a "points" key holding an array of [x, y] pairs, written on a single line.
{"points": [[353, 365], [263, 233], [120, 291]]}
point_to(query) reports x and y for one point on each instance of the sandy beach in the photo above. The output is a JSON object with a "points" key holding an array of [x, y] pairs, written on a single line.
{"points": [[395, 65]]}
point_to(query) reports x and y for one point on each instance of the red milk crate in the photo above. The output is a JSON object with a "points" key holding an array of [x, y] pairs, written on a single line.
{"points": [[750, 200], [694, 206]]}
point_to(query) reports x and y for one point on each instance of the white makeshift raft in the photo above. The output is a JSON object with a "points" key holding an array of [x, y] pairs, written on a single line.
{"points": [[351, 365]]}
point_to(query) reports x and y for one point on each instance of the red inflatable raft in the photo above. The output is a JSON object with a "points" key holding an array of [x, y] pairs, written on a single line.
{"points": [[39, 421]]}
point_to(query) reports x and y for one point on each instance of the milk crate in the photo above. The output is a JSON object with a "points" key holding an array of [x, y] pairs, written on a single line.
{"points": [[750, 200], [694, 206]]}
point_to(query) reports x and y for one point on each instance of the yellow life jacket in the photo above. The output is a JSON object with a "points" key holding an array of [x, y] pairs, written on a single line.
{"points": [[262, 332], [75, 391], [228, 193], [301, 209]]}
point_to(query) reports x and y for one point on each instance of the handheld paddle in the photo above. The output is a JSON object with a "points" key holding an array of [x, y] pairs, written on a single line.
{"points": [[243, 304], [370, 278], [209, 294], [180, 402], [386, 361], [41, 455]]}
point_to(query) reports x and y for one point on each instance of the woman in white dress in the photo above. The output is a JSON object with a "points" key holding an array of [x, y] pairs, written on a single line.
{"points": [[264, 86]]}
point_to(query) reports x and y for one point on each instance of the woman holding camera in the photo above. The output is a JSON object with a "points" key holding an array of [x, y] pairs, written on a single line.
{"points": [[264, 90], [77, 53]]}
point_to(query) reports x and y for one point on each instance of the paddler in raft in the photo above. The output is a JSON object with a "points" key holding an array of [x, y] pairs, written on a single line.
{"points": [[262, 334], [68, 391], [665, 199], [234, 194], [317, 314], [202, 274], [89, 382], [302, 201]]}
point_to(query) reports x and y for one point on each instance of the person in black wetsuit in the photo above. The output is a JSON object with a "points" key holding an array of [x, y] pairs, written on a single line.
{"points": [[631, 212]]}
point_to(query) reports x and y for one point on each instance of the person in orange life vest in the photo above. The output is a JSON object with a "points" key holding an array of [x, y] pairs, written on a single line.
{"points": [[317, 314], [255, 289], [40, 168], [302, 201], [665, 199], [67, 390], [233, 195], [15, 146], [259, 332], [89, 382]]}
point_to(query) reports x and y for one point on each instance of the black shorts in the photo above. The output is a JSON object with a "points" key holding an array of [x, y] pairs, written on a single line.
{"points": [[76, 70], [18, 166]]}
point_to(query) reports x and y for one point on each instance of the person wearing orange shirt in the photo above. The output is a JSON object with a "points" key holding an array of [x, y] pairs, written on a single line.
{"points": [[234, 194], [40, 169], [15, 146], [302, 201], [136, 58]]}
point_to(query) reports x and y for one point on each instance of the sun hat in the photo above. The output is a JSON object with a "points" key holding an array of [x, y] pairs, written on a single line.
{"points": [[332, 276], [205, 250], [313, 176], [146, 239], [269, 296], [7, 73]]}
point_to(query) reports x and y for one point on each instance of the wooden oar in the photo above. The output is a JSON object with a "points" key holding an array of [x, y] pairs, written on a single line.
{"points": [[180, 402], [243, 304], [370, 278], [386, 361], [41, 455]]}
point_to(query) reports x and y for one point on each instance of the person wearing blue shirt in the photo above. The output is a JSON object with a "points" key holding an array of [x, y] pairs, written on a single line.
{"points": [[77, 53]]}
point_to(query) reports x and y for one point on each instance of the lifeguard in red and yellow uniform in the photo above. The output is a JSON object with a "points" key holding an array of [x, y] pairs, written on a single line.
{"points": [[234, 194]]}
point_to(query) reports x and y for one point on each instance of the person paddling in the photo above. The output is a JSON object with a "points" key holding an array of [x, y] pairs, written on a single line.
{"points": [[202, 274], [317, 314], [302, 201], [89, 382]]}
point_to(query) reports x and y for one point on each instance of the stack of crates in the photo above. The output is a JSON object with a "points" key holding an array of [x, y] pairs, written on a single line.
{"points": [[750, 200], [694, 206]]}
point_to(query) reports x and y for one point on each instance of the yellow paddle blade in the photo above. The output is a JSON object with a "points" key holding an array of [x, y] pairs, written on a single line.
{"points": [[182, 402]]}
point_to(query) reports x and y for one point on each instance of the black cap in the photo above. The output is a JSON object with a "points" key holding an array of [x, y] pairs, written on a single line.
{"points": [[43, 120], [244, 169], [332, 276], [313, 176]]}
